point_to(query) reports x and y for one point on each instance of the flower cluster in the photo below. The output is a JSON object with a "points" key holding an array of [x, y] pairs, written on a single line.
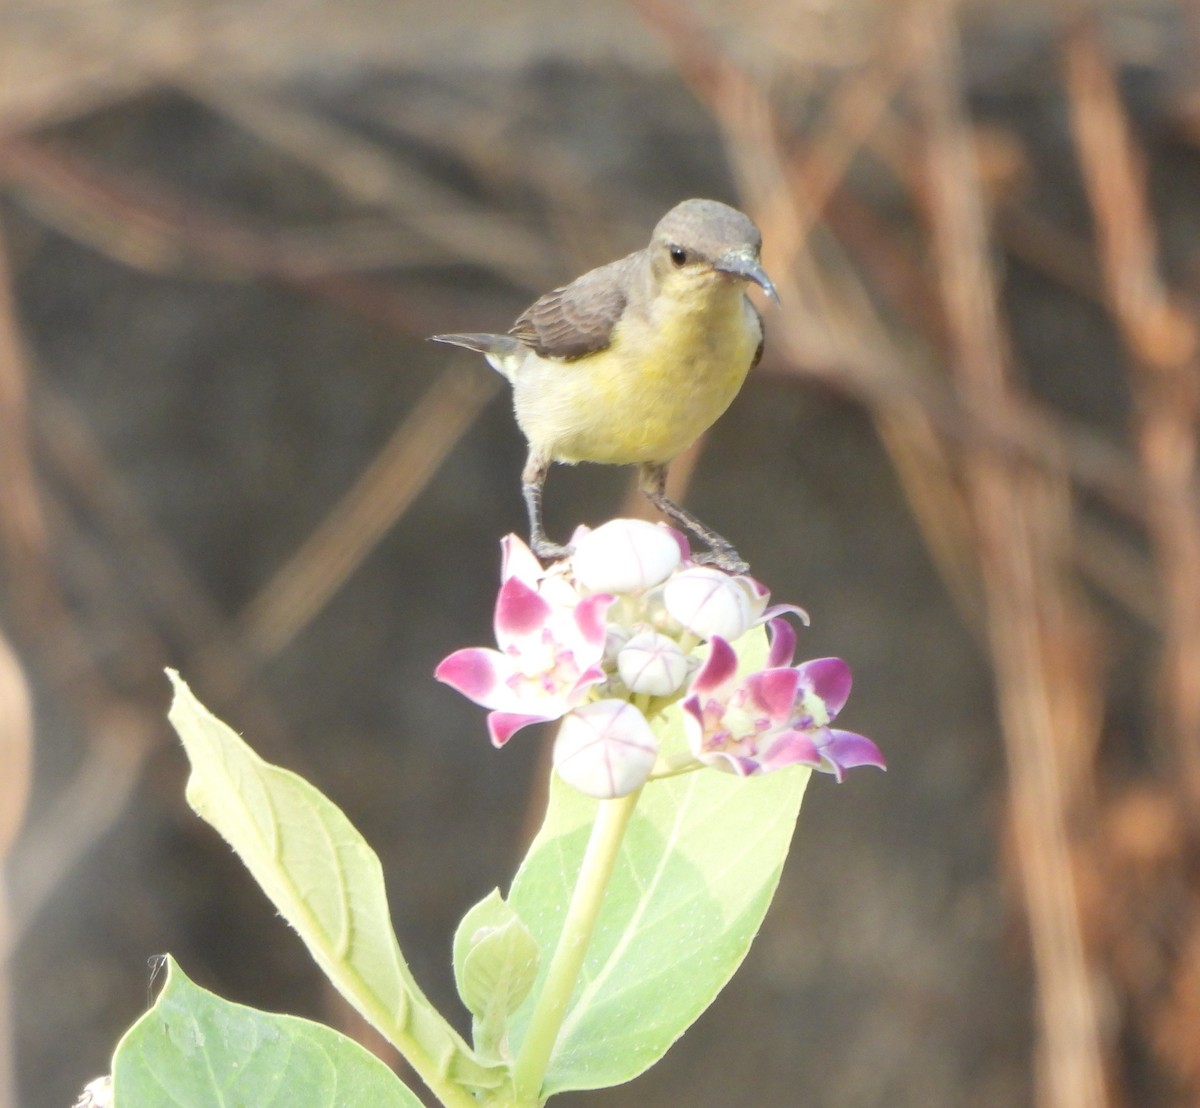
{"points": [[629, 625]]}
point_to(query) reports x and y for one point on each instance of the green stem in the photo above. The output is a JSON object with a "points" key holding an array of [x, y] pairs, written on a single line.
{"points": [[529, 1069]]}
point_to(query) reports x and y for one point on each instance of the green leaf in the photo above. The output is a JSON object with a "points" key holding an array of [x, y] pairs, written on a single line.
{"points": [[195, 1050], [698, 867], [495, 965], [328, 884]]}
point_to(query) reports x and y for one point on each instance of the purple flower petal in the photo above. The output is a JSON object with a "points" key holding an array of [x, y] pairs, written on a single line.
{"points": [[731, 763], [757, 589], [699, 741], [593, 675], [503, 725], [783, 643], [520, 611], [777, 610], [846, 750], [589, 618], [829, 679], [718, 669], [774, 690], [475, 672], [791, 748]]}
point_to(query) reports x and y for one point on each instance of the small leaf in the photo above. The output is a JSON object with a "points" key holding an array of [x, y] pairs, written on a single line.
{"points": [[327, 883], [700, 863], [492, 935], [495, 965], [195, 1050], [491, 912]]}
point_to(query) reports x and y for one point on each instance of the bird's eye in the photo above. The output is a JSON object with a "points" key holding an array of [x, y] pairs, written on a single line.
{"points": [[678, 255]]}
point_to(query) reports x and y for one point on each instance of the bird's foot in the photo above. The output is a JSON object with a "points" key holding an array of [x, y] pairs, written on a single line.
{"points": [[723, 557], [549, 551]]}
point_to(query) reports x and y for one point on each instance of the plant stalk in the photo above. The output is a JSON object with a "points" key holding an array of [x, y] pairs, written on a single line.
{"points": [[529, 1069]]}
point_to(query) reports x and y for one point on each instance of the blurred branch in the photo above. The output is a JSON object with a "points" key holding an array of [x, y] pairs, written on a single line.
{"points": [[1119, 570], [82, 813], [156, 227], [146, 562], [370, 175], [365, 513], [585, 218], [1038, 636], [23, 540], [1040, 243], [8, 1059], [16, 746], [995, 515], [855, 111], [16, 764], [146, 224], [1164, 341], [116, 749]]}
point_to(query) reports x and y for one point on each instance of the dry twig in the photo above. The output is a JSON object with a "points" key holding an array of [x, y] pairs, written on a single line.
{"points": [[1044, 666], [1151, 910], [1164, 342]]}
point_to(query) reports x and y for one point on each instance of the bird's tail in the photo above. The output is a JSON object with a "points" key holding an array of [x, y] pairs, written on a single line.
{"points": [[502, 351]]}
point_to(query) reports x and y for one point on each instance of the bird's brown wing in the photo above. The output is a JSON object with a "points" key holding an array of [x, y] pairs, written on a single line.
{"points": [[577, 319]]}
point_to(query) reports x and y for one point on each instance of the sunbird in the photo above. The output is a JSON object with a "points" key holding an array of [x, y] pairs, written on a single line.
{"points": [[632, 362]]}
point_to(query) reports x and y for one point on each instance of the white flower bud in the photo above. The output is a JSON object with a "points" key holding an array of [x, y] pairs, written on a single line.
{"points": [[625, 555], [708, 602], [605, 749], [652, 663]]}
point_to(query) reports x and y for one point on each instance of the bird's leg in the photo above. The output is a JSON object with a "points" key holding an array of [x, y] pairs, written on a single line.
{"points": [[653, 478], [533, 477]]}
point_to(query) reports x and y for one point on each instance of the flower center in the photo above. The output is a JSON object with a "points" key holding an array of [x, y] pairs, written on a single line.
{"points": [[739, 723]]}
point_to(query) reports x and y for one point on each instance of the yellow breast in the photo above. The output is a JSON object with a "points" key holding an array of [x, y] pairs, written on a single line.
{"points": [[664, 379]]}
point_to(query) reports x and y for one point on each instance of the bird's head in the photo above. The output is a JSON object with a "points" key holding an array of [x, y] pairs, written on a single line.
{"points": [[705, 244]]}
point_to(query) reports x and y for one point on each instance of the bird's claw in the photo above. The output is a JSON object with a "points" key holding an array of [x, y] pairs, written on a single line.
{"points": [[549, 551], [724, 558]]}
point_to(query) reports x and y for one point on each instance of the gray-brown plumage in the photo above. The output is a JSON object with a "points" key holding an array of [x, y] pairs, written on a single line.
{"points": [[578, 318]]}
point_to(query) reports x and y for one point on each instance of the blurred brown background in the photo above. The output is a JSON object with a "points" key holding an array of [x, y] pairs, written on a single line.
{"points": [[226, 228]]}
